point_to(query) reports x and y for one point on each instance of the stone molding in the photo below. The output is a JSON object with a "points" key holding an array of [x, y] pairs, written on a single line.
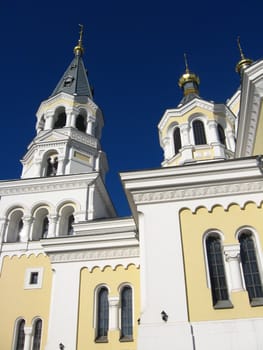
{"points": [[44, 185], [198, 192], [95, 255], [209, 106]]}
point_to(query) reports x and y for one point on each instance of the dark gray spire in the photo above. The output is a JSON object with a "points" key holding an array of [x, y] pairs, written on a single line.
{"points": [[75, 80]]}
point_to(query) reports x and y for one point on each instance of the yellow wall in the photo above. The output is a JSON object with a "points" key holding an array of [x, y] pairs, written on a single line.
{"points": [[113, 279], [15, 301], [193, 226], [210, 115]]}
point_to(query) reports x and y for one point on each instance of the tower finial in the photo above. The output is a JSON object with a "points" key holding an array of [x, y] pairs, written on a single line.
{"points": [[79, 49], [186, 64], [240, 48], [244, 62]]}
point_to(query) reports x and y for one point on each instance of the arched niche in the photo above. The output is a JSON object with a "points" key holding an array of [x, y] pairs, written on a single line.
{"points": [[41, 224], [15, 225], [60, 118], [66, 220], [50, 163]]}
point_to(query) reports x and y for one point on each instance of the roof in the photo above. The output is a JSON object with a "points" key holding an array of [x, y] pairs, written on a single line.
{"points": [[75, 80]]}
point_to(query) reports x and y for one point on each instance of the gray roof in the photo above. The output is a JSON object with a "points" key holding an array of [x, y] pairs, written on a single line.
{"points": [[188, 98], [75, 80]]}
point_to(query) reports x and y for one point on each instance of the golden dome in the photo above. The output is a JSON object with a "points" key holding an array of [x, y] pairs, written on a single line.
{"points": [[189, 81]]}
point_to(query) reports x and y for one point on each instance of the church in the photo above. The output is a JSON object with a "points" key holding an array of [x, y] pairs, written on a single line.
{"points": [[184, 271]]}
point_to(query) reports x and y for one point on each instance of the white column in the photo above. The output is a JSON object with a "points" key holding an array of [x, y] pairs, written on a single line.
{"points": [[113, 313], [52, 229], [232, 254], [167, 148], [49, 120], [71, 117], [63, 318], [24, 234], [3, 225], [231, 140], [90, 122], [212, 135], [28, 337], [61, 162], [91, 202], [185, 137]]}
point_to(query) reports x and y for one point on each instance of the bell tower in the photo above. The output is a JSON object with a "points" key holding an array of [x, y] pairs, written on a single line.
{"points": [[68, 128], [196, 130]]}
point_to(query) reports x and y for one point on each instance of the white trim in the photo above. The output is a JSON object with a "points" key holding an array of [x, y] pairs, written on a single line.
{"points": [[28, 274], [95, 307], [208, 233]]}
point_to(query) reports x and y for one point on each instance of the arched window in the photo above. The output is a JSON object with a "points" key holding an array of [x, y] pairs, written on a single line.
{"points": [[102, 315], [126, 314], [221, 134], [217, 272], [67, 219], [52, 165], [41, 224], [61, 121], [37, 334], [177, 140], [81, 125], [45, 226], [20, 335], [250, 268], [15, 226], [199, 132]]}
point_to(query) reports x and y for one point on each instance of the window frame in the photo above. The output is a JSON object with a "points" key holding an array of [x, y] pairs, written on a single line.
{"points": [[177, 146], [100, 338], [35, 321], [28, 275], [254, 301], [16, 333], [201, 122], [220, 303], [126, 338]]}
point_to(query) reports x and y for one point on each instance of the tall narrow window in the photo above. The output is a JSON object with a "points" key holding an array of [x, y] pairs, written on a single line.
{"points": [[20, 335], [70, 225], [126, 314], [102, 315], [217, 273], [221, 134], [37, 335], [250, 268], [45, 226], [199, 132], [52, 165], [80, 123], [177, 140], [61, 121]]}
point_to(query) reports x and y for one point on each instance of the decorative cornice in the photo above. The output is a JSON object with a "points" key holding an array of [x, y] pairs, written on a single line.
{"points": [[206, 105], [113, 257], [95, 255], [197, 192], [37, 185]]}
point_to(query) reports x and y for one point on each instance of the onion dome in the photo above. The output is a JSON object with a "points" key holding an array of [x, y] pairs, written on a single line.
{"points": [[189, 83]]}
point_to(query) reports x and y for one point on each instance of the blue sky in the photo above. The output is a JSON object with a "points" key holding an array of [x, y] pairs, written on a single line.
{"points": [[134, 56]]}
